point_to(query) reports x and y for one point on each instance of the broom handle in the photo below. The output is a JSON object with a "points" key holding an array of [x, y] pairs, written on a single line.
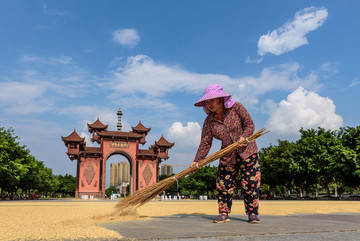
{"points": [[220, 153]]}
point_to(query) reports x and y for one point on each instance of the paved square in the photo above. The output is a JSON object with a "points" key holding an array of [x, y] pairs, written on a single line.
{"points": [[294, 227]]}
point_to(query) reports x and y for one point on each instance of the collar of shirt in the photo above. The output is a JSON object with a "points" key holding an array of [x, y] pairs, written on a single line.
{"points": [[226, 112]]}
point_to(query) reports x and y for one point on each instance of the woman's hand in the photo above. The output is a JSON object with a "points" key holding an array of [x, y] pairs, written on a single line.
{"points": [[241, 140], [194, 163]]}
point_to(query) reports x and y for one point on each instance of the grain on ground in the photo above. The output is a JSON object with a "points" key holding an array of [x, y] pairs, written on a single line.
{"points": [[80, 219]]}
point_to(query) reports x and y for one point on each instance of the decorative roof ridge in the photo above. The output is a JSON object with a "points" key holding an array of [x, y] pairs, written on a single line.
{"points": [[141, 128], [97, 125], [163, 142], [92, 148], [74, 136], [145, 152], [120, 134]]}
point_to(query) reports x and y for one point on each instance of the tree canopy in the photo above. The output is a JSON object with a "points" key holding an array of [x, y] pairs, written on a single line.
{"points": [[21, 174], [319, 159]]}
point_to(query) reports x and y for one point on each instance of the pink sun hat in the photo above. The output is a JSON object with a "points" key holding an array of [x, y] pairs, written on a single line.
{"points": [[215, 91]]}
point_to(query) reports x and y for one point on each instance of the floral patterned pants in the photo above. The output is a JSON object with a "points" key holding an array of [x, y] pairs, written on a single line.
{"points": [[250, 182]]}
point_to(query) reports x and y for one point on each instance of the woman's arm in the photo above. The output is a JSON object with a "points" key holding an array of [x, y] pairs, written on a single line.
{"points": [[248, 126], [205, 143]]}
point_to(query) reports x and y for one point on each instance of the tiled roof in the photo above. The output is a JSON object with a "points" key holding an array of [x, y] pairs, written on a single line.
{"points": [[97, 125], [74, 137], [119, 134], [93, 150], [140, 128], [163, 142], [146, 153]]}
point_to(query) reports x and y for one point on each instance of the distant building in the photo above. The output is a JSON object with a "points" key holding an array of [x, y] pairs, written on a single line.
{"points": [[122, 188], [119, 173], [166, 170]]}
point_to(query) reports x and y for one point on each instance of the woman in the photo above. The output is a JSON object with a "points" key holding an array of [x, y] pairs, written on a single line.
{"points": [[229, 121]]}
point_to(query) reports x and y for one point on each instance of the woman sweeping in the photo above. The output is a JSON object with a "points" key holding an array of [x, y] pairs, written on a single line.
{"points": [[229, 122]]}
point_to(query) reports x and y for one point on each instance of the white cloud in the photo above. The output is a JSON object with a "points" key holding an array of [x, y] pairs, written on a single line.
{"points": [[250, 60], [142, 82], [292, 34], [86, 112], [43, 84], [52, 12], [23, 98], [47, 60], [185, 136], [187, 139], [58, 74], [89, 114], [147, 81], [144, 102], [327, 70], [277, 78], [87, 137], [142, 74], [305, 109], [127, 37], [33, 96], [354, 83]]}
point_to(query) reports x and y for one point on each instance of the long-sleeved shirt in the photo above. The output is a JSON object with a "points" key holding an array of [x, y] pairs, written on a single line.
{"points": [[236, 123]]}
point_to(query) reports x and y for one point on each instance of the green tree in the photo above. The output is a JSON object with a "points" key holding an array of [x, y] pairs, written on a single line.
{"points": [[350, 139], [313, 154], [46, 183], [67, 185], [174, 188], [20, 171], [202, 182], [29, 181], [280, 167], [12, 157], [319, 159], [110, 190], [328, 160]]}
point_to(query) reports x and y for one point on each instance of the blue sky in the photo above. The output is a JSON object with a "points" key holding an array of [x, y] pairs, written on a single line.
{"points": [[66, 63]]}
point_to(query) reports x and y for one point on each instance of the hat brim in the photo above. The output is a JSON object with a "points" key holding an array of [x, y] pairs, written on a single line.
{"points": [[209, 96]]}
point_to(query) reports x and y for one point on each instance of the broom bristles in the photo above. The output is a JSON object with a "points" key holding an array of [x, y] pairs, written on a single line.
{"points": [[128, 204]]}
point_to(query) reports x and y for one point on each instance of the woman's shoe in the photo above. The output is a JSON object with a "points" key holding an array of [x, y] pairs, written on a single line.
{"points": [[222, 218], [253, 218]]}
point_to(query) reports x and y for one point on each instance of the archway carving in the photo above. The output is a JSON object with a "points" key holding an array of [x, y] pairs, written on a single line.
{"points": [[91, 161]]}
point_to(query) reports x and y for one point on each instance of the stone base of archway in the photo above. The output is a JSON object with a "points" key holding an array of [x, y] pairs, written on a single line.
{"points": [[89, 195]]}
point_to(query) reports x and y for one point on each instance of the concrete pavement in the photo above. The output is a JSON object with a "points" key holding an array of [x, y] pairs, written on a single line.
{"points": [[334, 226]]}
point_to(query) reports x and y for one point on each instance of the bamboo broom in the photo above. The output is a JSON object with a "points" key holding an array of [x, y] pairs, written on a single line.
{"points": [[129, 204]]}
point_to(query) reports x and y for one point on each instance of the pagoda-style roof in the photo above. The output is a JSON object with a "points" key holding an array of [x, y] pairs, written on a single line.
{"points": [[119, 134], [92, 150], [164, 143], [73, 137], [147, 153], [140, 128], [97, 125]]}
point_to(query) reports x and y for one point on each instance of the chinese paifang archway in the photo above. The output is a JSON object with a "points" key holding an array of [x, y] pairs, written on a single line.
{"points": [[91, 161]]}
